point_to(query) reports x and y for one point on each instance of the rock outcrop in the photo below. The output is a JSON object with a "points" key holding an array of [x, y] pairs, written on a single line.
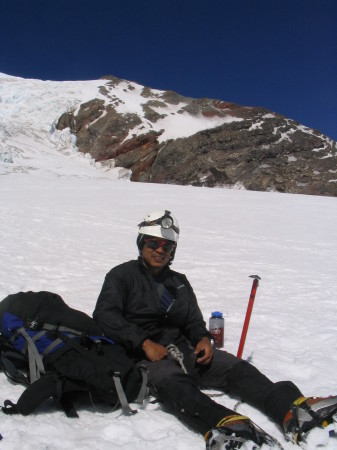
{"points": [[168, 138]]}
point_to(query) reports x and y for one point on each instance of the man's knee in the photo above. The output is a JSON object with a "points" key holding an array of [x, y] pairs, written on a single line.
{"points": [[160, 372], [214, 375], [227, 360]]}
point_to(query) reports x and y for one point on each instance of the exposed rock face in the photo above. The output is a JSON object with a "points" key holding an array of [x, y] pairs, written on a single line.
{"points": [[251, 148], [258, 158]]}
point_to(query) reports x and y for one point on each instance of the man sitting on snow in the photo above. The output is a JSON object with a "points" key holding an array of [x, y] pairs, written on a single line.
{"points": [[152, 311]]}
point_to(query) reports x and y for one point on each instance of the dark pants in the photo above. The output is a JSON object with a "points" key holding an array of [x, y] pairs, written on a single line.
{"points": [[180, 393]]}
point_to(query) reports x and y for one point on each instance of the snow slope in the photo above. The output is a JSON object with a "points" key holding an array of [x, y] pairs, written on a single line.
{"points": [[30, 110], [64, 224]]}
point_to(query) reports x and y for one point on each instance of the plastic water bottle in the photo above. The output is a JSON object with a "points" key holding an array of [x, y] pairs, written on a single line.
{"points": [[217, 328]]}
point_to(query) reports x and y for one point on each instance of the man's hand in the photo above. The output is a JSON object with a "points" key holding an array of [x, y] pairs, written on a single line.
{"points": [[205, 348], [153, 351]]}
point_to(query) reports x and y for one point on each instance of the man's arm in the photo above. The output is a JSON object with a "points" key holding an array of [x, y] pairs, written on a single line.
{"points": [[108, 312]]}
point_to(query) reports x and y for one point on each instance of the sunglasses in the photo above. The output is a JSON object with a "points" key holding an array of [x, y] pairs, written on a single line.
{"points": [[154, 244]]}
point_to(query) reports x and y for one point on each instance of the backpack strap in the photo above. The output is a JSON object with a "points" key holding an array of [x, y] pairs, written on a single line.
{"points": [[10, 369], [33, 396], [68, 406], [144, 390], [51, 346], [50, 385], [36, 367], [121, 395], [61, 328]]}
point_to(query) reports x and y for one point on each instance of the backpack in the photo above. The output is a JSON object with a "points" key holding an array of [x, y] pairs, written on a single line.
{"points": [[60, 352]]}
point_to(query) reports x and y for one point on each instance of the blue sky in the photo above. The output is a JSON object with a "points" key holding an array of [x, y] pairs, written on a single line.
{"points": [[280, 54]]}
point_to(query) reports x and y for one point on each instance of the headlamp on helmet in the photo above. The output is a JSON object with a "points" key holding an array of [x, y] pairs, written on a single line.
{"points": [[165, 221], [160, 224]]}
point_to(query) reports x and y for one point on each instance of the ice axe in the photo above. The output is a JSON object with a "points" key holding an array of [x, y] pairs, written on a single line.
{"points": [[248, 314]]}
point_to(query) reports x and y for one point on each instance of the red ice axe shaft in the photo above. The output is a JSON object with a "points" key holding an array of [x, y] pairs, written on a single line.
{"points": [[248, 314]]}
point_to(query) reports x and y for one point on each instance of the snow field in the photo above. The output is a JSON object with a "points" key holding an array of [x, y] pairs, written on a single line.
{"points": [[64, 233]]}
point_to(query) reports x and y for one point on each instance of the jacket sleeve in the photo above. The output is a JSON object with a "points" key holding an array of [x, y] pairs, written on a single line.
{"points": [[108, 312], [195, 326]]}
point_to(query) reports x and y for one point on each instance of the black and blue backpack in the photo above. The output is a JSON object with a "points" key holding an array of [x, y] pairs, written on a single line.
{"points": [[61, 353]]}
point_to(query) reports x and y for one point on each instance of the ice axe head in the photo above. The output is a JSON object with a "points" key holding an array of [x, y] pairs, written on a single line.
{"points": [[256, 277]]}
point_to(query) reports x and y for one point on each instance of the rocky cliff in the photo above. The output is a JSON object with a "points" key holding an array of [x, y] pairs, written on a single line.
{"points": [[163, 137]]}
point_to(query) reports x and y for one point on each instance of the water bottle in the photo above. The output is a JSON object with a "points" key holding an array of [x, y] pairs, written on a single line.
{"points": [[217, 328]]}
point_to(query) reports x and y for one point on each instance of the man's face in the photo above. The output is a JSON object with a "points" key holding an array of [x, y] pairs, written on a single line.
{"points": [[156, 253]]}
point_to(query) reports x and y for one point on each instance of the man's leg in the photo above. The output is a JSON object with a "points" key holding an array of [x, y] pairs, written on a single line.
{"points": [[241, 379], [182, 397], [274, 399]]}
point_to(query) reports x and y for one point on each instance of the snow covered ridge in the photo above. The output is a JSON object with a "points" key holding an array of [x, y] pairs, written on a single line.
{"points": [[158, 141], [32, 108], [159, 111], [150, 135], [4, 75]]}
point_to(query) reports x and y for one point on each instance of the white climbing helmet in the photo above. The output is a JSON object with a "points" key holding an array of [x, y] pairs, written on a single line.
{"points": [[160, 224]]}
